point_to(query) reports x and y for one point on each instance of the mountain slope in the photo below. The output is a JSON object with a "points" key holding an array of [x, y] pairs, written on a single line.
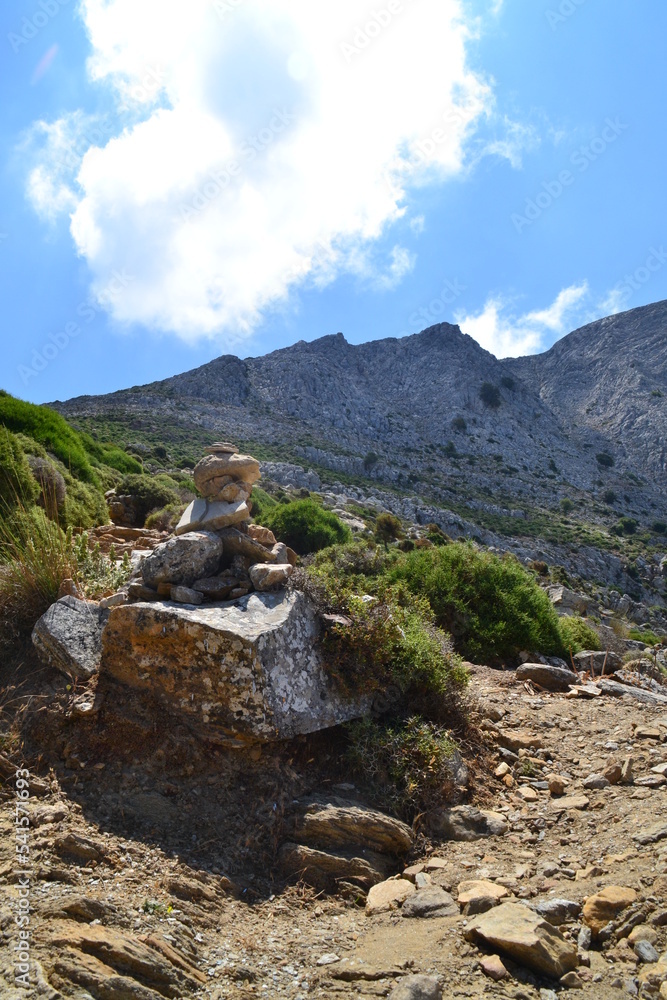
{"points": [[610, 377]]}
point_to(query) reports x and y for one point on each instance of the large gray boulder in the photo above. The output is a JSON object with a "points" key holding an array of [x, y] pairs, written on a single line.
{"points": [[548, 677], [236, 673], [183, 560], [69, 637]]}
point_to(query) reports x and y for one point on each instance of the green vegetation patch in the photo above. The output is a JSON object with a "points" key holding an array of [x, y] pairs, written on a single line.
{"points": [[305, 526]]}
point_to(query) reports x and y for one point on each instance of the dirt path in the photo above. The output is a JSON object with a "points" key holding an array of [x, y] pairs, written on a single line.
{"points": [[150, 875]]}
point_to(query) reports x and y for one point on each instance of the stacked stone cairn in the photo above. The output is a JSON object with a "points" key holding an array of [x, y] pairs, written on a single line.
{"points": [[216, 554]]}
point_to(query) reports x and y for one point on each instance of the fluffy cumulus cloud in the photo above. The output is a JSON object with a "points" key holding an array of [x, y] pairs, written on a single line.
{"points": [[500, 329], [258, 145]]}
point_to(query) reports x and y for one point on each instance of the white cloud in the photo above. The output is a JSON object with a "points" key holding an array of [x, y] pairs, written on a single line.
{"points": [[505, 334], [280, 145]]}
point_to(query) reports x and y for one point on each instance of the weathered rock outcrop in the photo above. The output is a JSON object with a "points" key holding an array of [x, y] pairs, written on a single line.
{"points": [[243, 672], [183, 560], [69, 636]]}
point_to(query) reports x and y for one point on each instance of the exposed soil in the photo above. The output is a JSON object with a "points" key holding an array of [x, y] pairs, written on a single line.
{"points": [[153, 859]]}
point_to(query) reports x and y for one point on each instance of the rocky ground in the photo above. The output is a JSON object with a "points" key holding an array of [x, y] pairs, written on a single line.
{"points": [[153, 862]]}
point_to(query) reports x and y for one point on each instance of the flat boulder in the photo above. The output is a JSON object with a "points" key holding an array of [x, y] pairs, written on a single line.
{"points": [[548, 677], [517, 931], [235, 673], [210, 515], [69, 637], [183, 560], [479, 895], [345, 824], [466, 823]]}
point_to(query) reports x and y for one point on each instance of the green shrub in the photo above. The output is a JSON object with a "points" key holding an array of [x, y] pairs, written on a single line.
{"points": [[407, 763], [17, 485], [371, 460], [84, 505], [98, 575], [508, 382], [659, 528], [609, 497], [51, 482], [51, 431], [165, 519], [626, 526], [35, 557], [459, 424], [111, 455], [566, 505], [647, 637], [306, 526], [150, 493], [605, 460], [491, 606], [577, 634], [490, 395], [261, 503]]}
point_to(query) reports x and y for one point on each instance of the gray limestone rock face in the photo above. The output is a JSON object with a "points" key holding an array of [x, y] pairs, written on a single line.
{"points": [[183, 560], [69, 636], [235, 673]]}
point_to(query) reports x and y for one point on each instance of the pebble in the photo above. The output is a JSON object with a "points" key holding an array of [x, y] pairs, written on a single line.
{"points": [[645, 952], [596, 781]]}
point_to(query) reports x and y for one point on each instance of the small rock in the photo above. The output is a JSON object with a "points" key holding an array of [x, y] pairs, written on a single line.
{"points": [[417, 988], [527, 793], [262, 535], [645, 952], [584, 939], [613, 773], [184, 595], [572, 981], [138, 592], [479, 895], [422, 880], [627, 775], [557, 784], [329, 959], [502, 770], [114, 601], [558, 911], [652, 835], [596, 781], [388, 895], [642, 933], [430, 902], [518, 739], [268, 576], [466, 823], [606, 905], [579, 802], [492, 966]]}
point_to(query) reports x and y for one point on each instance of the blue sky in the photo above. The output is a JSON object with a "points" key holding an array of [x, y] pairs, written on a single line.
{"points": [[380, 167]]}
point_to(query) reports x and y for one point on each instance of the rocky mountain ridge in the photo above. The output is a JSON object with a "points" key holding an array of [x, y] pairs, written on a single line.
{"points": [[502, 444]]}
